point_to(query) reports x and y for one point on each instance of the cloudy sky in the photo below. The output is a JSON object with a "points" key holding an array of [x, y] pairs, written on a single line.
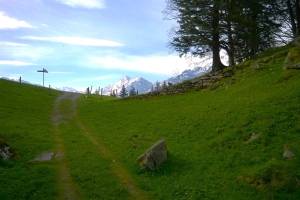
{"points": [[86, 42]]}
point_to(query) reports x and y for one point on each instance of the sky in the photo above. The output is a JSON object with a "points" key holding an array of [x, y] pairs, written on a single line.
{"points": [[86, 42]]}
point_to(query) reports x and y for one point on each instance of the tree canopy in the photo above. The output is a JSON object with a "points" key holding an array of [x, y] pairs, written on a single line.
{"points": [[242, 28]]}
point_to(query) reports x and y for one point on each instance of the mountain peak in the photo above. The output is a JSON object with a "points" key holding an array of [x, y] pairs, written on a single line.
{"points": [[188, 74], [126, 78], [139, 83]]}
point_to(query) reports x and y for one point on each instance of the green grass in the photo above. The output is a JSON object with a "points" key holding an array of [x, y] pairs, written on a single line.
{"points": [[207, 134], [89, 171], [25, 125]]}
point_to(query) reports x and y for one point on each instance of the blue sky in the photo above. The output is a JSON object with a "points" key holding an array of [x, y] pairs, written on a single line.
{"points": [[86, 42]]}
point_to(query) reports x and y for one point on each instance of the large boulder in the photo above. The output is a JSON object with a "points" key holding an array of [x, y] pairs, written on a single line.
{"points": [[154, 156]]}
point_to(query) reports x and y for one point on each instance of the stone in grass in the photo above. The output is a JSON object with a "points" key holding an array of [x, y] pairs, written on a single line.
{"points": [[253, 137], [45, 156], [287, 153], [154, 156], [292, 60], [297, 42], [6, 152]]}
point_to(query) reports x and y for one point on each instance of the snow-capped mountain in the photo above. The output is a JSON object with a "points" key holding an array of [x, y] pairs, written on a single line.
{"points": [[139, 83], [188, 74], [68, 89]]}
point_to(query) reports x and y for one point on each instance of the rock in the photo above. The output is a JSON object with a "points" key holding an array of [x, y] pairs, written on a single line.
{"points": [[154, 156], [297, 66], [228, 74], [58, 155], [292, 60], [287, 153], [45, 156], [297, 42], [6, 152], [253, 137]]}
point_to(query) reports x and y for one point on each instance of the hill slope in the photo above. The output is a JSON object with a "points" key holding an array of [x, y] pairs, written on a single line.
{"points": [[25, 125], [225, 142]]}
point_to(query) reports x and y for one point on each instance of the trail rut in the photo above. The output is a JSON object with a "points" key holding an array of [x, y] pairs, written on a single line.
{"points": [[69, 190]]}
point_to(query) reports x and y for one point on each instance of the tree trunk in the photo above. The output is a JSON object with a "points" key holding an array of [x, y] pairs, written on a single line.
{"points": [[231, 48], [292, 18], [298, 16], [254, 35], [217, 64]]}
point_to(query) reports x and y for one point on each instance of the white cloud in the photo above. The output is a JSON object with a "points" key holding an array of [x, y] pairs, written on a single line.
{"points": [[12, 44], [15, 63], [7, 22], [156, 64], [90, 4], [80, 41]]}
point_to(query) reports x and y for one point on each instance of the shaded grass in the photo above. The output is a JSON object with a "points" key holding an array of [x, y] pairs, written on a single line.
{"points": [[25, 125]]}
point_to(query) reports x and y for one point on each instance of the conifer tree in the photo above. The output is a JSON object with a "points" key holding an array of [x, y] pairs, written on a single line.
{"points": [[123, 92], [199, 28], [242, 28]]}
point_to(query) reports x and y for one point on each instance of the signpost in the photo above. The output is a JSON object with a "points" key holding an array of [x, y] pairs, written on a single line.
{"points": [[43, 71]]}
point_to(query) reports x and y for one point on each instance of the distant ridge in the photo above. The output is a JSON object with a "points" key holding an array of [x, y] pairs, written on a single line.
{"points": [[139, 83]]}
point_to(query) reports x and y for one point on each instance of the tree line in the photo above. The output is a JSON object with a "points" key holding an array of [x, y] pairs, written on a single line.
{"points": [[243, 28]]}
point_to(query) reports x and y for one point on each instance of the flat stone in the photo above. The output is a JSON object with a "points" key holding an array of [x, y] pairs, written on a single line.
{"points": [[154, 157], [45, 156]]}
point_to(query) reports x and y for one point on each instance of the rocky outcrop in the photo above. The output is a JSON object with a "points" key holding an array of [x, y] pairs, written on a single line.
{"points": [[154, 156]]}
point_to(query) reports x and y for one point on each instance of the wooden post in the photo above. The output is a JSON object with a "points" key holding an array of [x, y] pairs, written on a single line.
{"points": [[20, 80], [43, 71]]}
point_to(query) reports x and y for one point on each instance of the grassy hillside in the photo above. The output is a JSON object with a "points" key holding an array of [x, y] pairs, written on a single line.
{"points": [[208, 132], [225, 141], [25, 125]]}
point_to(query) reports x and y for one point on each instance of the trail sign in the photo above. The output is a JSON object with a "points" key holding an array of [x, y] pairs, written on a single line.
{"points": [[43, 71]]}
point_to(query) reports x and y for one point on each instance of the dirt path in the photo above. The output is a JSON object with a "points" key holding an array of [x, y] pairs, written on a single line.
{"points": [[66, 183], [67, 188]]}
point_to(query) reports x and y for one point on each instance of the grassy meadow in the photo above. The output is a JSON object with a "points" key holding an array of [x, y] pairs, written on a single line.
{"points": [[209, 134], [25, 113]]}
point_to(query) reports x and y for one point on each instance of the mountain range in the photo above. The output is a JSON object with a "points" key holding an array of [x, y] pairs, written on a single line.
{"points": [[140, 84], [145, 86], [188, 74]]}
